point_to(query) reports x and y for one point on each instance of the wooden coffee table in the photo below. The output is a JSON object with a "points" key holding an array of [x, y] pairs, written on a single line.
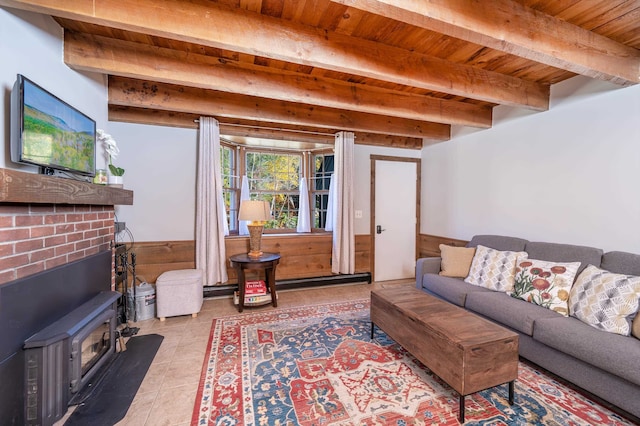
{"points": [[468, 352]]}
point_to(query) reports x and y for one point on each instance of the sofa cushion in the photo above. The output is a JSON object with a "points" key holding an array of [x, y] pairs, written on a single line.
{"points": [[456, 261], [621, 262], [546, 284], [610, 352], [504, 309], [498, 242], [605, 300], [453, 290], [554, 252], [635, 327], [493, 269]]}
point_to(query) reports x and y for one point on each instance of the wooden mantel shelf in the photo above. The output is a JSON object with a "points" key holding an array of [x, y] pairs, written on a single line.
{"points": [[21, 187]]}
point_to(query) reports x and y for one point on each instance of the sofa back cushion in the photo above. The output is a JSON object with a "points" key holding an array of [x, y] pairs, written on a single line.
{"points": [[621, 262], [498, 242], [554, 252]]}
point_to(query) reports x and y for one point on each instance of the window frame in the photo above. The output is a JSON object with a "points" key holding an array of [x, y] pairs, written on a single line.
{"points": [[306, 167]]}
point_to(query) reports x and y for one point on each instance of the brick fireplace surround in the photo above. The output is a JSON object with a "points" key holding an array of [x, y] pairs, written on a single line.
{"points": [[56, 239], [37, 237]]}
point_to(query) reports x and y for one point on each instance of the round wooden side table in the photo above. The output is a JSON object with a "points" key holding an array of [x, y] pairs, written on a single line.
{"points": [[266, 262]]}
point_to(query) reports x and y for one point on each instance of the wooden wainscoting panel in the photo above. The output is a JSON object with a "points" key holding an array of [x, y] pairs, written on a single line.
{"points": [[303, 256], [429, 245], [363, 253], [154, 258]]}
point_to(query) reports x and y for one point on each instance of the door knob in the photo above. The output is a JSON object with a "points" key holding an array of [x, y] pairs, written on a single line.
{"points": [[379, 229]]}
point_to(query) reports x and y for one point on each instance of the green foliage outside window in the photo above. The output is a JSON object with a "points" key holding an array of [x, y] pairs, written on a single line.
{"points": [[276, 178]]}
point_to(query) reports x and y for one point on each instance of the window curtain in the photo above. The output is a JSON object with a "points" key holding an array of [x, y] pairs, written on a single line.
{"points": [[211, 215], [343, 253], [243, 228], [304, 217], [331, 205]]}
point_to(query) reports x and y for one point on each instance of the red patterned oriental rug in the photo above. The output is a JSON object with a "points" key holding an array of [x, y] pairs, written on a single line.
{"points": [[316, 365]]}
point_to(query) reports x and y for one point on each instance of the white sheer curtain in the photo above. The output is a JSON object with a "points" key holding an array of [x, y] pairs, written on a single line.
{"points": [[343, 254], [304, 217], [243, 228], [211, 216], [331, 205]]}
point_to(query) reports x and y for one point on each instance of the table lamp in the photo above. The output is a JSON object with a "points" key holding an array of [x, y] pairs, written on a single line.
{"points": [[257, 213]]}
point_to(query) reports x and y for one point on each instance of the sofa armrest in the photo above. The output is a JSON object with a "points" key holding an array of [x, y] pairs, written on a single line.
{"points": [[426, 265]]}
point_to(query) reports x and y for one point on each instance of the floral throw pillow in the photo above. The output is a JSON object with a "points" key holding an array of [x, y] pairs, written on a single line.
{"points": [[493, 269], [547, 284], [605, 300]]}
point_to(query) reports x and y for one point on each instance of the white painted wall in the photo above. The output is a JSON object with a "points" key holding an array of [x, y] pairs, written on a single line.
{"points": [[569, 175], [160, 168], [31, 45]]}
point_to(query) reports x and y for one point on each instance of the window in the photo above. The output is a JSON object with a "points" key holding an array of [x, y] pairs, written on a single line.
{"points": [[275, 177], [230, 185], [322, 169]]}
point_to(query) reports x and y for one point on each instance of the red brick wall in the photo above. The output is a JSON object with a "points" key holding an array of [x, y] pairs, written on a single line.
{"points": [[35, 237]]}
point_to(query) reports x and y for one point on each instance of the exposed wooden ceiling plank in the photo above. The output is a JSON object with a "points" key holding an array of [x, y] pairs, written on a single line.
{"points": [[250, 33], [142, 94], [507, 26], [255, 129], [123, 58]]}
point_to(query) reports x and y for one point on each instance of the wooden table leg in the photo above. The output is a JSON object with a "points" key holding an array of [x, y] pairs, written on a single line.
{"points": [[241, 287], [512, 392], [271, 280], [372, 326], [461, 416]]}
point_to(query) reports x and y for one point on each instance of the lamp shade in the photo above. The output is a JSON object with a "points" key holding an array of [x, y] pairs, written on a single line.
{"points": [[254, 210]]}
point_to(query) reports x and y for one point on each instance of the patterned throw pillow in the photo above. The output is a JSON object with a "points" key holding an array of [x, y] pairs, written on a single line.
{"points": [[605, 300], [494, 269], [456, 261], [547, 284]]}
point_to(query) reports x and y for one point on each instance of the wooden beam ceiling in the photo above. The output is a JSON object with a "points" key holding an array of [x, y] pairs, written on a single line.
{"points": [[511, 27], [258, 129], [251, 33], [142, 94], [396, 72], [123, 58]]}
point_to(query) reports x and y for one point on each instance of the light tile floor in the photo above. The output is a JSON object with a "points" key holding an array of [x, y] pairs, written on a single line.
{"points": [[167, 395]]}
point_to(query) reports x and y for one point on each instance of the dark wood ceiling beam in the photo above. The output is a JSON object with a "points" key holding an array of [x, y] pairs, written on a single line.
{"points": [[254, 129], [511, 27], [250, 33], [161, 96], [124, 58]]}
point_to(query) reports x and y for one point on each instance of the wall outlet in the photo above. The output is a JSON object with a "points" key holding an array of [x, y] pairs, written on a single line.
{"points": [[120, 226], [358, 214]]}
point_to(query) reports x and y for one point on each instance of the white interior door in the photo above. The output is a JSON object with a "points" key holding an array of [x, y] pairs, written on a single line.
{"points": [[395, 219]]}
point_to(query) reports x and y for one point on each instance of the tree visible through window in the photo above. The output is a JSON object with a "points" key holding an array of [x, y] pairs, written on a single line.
{"points": [[230, 185], [322, 171], [275, 177]]}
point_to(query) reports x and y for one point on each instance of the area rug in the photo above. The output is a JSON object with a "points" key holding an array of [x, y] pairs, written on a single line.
{"points": [[317, 365]]}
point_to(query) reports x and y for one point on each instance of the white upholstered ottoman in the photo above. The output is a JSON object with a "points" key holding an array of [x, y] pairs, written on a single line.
{"points": [[179, 293]]}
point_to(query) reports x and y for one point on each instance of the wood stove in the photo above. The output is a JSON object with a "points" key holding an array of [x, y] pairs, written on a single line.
{"points": [[62, 358], [52, 319]]}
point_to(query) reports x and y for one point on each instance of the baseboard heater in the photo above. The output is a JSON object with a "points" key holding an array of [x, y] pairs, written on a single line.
{"points": [[227, 290]]}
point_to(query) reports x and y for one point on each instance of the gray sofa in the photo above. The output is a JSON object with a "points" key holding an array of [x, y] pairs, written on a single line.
{"points": [[604, 364]]}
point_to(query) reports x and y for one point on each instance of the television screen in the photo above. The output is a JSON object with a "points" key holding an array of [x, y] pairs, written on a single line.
{"points": [[49, 133]]}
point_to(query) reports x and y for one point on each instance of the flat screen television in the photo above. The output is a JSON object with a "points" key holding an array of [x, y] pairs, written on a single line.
{"points": [[49, 133]]}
